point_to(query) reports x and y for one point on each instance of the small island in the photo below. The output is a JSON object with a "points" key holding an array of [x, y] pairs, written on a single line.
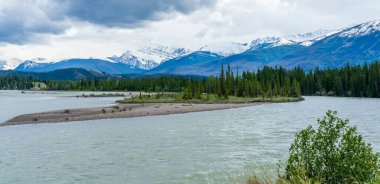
{"points": [[147, 105]]}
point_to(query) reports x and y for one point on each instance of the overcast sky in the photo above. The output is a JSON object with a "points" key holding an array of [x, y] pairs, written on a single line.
{"points": [[57, 29]]}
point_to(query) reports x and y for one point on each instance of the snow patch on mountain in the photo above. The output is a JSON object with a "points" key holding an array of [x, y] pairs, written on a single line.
{"points": [[41, 60], [310, 36], [3, 65], [149, 57], [33, 63], [361, 29], [226, 49], [270, 42], [28, 64], [306, 39], [136, 59], [9, 64]]}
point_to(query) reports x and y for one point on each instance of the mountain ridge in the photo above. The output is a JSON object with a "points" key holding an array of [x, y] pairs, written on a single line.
{"points": [[323, 48]]}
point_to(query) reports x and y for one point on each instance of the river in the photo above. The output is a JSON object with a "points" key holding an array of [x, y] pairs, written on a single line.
{"points": [[204, 147]]}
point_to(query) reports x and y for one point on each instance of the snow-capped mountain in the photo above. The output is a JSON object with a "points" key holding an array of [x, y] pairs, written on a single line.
{"points": [[149, 57], [354, 46], [33, 63], [9, 64], [226, 49], [28, 64], [361, 29], [306, 39]]}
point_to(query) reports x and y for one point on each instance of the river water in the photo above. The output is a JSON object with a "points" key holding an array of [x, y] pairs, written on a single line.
{"points": [[204, 147]]}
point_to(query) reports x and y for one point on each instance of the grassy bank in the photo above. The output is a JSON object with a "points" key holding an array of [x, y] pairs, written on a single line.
{"points": [[204, 98]]}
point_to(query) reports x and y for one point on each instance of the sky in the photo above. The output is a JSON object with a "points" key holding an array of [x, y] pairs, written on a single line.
{"points": [[59, 29]]}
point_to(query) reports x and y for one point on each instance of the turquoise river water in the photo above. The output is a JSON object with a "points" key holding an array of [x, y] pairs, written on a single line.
{"points": [[205, 147]]}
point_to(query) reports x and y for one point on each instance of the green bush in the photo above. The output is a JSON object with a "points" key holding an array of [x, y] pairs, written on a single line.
{"points": [[187, 94], [333, 153]]}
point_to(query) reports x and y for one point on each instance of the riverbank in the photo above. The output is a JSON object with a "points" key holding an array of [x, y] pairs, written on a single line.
{"points": [[120, 111]]}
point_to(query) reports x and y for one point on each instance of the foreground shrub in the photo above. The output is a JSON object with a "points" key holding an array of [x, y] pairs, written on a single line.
{"points": [[333, 153]]}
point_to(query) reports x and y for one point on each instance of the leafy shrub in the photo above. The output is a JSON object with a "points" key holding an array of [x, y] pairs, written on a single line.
{"points": [[333, 153], [187, 94]]}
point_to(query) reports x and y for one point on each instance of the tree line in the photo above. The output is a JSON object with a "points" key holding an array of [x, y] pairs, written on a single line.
{"points": [[351, 81], [16, 82]]}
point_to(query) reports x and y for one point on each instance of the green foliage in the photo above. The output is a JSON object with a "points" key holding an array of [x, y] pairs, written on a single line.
{"points": [[332, 153], [39, 85], [187, 94]]}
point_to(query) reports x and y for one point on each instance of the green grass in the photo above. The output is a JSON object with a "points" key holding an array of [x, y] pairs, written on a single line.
{"points": [[40, 85], [177, 98]]}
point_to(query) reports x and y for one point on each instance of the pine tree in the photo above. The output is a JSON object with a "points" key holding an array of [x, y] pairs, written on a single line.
{"points": [[295, 89], [228, 81], [222, 89]]}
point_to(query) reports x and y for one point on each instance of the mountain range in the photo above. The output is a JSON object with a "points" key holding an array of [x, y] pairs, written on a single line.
{"points": [[100, 65], [323, 49]]}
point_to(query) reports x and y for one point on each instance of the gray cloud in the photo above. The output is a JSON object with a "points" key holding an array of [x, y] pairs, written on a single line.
{"points": [[130, 13], [20, 20]]}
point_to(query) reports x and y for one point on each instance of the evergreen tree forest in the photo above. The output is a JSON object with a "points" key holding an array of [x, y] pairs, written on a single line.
{"points": [[350, 81], [15, 83]]}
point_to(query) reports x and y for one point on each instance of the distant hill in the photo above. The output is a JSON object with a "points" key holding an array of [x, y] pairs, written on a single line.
{"points": [[62, 74]]}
